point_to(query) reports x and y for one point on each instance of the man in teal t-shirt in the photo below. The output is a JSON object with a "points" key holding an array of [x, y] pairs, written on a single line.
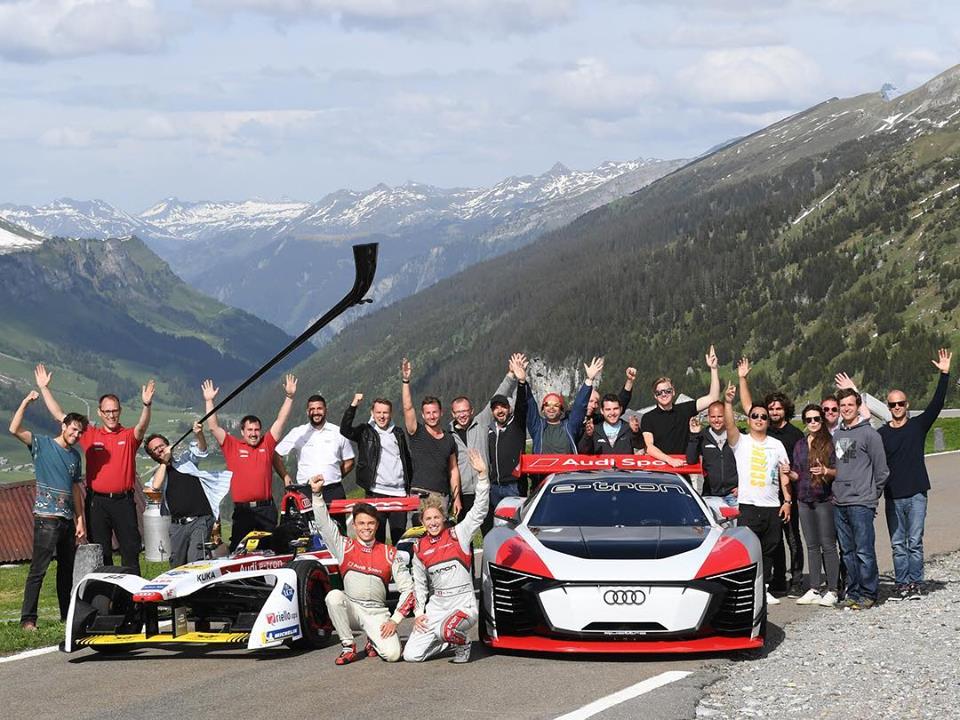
{"points": [[58, 522]]}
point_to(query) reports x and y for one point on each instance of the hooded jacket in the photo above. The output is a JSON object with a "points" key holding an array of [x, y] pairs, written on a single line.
{"points": [[861, 465]]}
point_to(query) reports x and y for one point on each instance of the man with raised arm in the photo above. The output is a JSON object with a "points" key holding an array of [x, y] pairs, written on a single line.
{"points": [[595, 417], [367, 566], [251, 462], [613, 436], [557, 432], [666, 427], [762, 475], [781, 411], [434, 452], [57, 507], [110, 451], [470, 431]]}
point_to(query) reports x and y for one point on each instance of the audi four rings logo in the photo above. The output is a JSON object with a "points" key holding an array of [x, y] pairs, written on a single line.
{"points": [[624, 597]]}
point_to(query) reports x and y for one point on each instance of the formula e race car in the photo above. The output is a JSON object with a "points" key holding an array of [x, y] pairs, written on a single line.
{"points": [[622, 555], [269, 592]]}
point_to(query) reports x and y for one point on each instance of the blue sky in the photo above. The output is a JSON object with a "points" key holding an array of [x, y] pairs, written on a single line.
{"points": [[131, 101]]}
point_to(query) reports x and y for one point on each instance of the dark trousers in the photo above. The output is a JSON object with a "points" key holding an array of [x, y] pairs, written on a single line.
{"points": [[247, 519], [107, 516], [336, 492], [50, 535], [765, 523], [467, 499], [396, 520], [790, 551], [187, 539]]}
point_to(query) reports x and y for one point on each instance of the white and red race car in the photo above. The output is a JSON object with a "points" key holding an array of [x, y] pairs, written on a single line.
{"points": [[269, 592], [619, 554]]}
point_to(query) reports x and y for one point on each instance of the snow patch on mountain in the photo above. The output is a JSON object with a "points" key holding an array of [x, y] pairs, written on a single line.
{"points": [[193, 220], [14, 239]]}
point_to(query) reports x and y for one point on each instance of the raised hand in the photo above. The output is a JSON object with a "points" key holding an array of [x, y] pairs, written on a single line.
{"points": [[197, 428], [844, 382], [712, 362], [476, 460], [357, 399], [695, 426], [290, 385], [730, 393], [31, 397], [42, 376], [588, 427], [743, 367], [316, 483], [594, 368], [518, 366], [634, 422], [146, 391], [209, 391], [405, 370], [631, 374], [942, 363]]}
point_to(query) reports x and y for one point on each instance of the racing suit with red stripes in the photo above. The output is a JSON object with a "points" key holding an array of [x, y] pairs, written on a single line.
{"points": [[366, 570], [443, 581]]}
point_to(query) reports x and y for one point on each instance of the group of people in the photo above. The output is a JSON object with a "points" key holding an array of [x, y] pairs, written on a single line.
{"points": [[826, 482]]}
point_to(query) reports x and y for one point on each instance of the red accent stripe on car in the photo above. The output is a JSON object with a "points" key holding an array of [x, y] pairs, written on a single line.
{"points": [[728, 554], [517, 555]]}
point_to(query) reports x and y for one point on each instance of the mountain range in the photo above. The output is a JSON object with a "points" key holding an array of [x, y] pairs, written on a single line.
{"points": [[284, 261]]}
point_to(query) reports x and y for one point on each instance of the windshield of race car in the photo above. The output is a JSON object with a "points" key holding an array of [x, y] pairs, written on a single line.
{"points": [[615, 502]]}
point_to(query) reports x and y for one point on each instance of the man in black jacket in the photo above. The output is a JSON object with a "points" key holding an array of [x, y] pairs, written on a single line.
{"points": [[595, 417], [709, 447], [506, 441], [613, 436], [383, 459]]}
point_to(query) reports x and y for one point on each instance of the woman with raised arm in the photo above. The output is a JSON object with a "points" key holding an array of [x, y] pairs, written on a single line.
{"points": [[446, 608], [812, 473]]}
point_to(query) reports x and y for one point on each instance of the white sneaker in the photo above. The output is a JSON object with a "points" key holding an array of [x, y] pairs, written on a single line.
{"points": [[810, 597], [461, 653], [828, 599], [771, 600]]}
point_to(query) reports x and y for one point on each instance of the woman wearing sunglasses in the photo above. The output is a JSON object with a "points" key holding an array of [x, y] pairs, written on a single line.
{"points": [[813, 471]]}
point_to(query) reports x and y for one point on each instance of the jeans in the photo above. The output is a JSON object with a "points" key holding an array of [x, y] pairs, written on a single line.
{"points": [[497, 493], [820, 534], [765, 523], [858, 546], [50, 534], [905, 520]]}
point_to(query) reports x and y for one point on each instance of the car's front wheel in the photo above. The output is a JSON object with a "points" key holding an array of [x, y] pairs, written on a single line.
{"points": [[313, 584]]}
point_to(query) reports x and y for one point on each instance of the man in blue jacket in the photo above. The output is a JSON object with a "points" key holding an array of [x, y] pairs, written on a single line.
{"points": [[557, 431], [905, 495]]}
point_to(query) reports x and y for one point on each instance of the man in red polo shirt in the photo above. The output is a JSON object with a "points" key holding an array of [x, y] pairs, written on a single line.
{"points": [[251, 461], [110, 454]]}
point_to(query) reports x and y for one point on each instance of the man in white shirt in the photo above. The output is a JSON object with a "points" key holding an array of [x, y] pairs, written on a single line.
{"points": [[322, 452], [762, 474]]}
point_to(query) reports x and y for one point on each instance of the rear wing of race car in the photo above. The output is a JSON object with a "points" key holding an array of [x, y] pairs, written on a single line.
{"points": [[550, 464], [384, 505]]}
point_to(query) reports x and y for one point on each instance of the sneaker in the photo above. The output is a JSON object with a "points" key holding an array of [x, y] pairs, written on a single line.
{"points": [[828, 599], [863, 604], [28, 626], [796, 590], [914, 591], [370, 650], [810, 597], [771, 600], [900, 592], [348, 654], [846, 604], [461, 653]]}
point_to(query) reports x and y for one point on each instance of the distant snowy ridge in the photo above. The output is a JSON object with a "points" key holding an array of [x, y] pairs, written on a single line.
{"points": [[14, 239]]}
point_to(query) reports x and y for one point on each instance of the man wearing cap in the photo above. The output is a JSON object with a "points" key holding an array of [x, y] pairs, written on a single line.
{"points": [[470, 431], [506, 440], [556, 431]]}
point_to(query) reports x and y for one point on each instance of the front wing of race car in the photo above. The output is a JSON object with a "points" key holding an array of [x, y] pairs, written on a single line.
{"points": [[199, 604]]}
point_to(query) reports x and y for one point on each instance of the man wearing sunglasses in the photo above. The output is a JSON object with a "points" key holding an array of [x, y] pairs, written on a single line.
{"points": [[905, 495], [557, 431], [666, 427], [762, 476], [831, 413]]}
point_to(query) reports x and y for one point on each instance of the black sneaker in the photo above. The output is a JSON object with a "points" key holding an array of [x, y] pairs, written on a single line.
{"points": [[796, 590], [900, 592], [914, 591], [863, 604]]}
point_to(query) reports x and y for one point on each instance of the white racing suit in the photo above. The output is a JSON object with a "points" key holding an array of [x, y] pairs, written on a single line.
{"points": [[443, 582], [366, 572]]}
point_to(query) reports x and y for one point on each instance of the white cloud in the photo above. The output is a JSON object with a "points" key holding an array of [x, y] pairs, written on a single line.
{"points": [[744, 75], [39, 30], [66, 137], [921, 59], [590, 87], [461, 16]]}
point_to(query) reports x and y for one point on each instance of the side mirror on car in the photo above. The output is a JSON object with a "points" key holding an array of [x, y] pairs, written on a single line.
{"points": [[723, 512], [508, 511]]}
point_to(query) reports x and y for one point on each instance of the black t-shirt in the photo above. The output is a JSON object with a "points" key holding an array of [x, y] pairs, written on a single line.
{"points": [[184, 495], [555, 440], [431, 460], [788, 435], [670, 428]]}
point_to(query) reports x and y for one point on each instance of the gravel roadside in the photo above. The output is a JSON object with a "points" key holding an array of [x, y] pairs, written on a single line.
{"points": [[898, 660]]}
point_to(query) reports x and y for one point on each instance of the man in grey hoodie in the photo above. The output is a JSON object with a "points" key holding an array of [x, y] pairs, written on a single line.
{"points": [[861, 474]]}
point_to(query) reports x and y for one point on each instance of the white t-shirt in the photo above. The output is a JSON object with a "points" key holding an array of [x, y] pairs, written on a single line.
{"points": [[758, 471], [320, 451]]}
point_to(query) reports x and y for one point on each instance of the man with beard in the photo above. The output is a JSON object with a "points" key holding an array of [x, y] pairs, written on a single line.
{"points": [[321, 450], [557, 431], [506, 441]]}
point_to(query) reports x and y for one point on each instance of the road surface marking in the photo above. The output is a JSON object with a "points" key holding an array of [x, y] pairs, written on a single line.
{"points": [[641, 688], [30, 654]]}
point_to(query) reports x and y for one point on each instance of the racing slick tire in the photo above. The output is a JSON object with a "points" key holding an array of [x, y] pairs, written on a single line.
{"points": [[313, 584], [101, 599]]}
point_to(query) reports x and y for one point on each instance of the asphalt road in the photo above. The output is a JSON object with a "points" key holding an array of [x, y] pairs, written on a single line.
{"points": [[236, 685]]}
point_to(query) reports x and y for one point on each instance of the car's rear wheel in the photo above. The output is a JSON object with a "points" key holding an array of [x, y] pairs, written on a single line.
{"points": [[313, 584]]}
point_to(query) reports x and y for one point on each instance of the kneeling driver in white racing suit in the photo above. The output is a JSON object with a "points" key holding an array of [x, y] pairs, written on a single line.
{"points": [[366, 567], [446, 607]]}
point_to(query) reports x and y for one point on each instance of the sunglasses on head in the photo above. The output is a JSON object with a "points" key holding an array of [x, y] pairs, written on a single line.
{"points": [[897, 403], [759, 416], [813, 419], [665, 391]]}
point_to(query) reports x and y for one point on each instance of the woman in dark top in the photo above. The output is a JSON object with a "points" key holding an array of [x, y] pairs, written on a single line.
{"points": [[813, 471]]}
